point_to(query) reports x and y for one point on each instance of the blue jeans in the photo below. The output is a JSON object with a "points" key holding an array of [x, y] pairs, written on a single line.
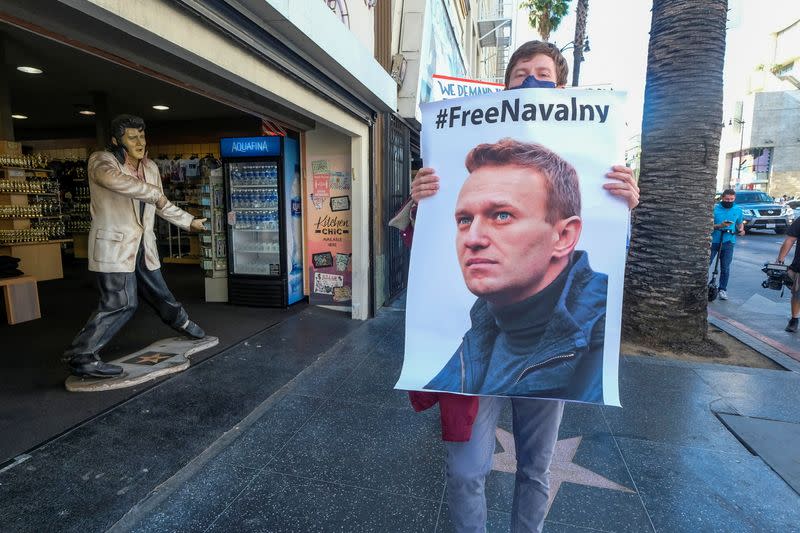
{"points": [[535, 433], [725, 260]]}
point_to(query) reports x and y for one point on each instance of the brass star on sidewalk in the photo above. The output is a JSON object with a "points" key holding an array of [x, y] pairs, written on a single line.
{"points": [[153, 358], [562, 469]]}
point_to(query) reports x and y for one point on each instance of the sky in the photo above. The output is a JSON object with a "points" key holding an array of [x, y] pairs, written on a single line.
{"points": [[618, 32]]}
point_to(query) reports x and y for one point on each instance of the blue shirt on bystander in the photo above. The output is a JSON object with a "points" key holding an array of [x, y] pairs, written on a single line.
{"points": [[721, 214]]}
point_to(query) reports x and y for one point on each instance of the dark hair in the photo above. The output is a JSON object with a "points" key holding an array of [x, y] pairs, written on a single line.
{"points": [[118, 127], [561, 178], [534, 48], [726, 192], [123, 122]]}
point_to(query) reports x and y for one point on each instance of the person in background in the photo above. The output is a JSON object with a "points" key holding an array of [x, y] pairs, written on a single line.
{"points": [[728, 222], [794, 271]]}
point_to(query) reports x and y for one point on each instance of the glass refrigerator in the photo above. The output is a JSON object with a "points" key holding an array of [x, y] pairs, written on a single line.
{"points": [[262, 194]]}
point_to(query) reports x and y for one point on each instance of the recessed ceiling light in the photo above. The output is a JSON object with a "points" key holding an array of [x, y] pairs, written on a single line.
{"points": [[19, 117], [161, 107], [87, 112], [30, 70]]}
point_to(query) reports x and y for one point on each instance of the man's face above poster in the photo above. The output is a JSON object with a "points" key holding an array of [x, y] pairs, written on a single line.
{"points": [[541, 66], [507, 248]]}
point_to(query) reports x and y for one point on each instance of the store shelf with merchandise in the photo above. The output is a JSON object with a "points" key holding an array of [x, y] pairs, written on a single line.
{"points": [[213, 244], [30, 202], [29, 242], [31, 224], [181, 182], [213, 241], [75, 207]]}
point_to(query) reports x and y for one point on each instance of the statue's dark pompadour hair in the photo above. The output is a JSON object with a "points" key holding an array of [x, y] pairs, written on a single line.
{"points": [[122, 122]]}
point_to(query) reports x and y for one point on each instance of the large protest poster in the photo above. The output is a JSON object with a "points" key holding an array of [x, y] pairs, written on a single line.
{"points": [[329, 243], [516, 274]]}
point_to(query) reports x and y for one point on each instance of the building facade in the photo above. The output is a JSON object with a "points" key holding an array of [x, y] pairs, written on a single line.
{"points": [[307, 66], [346, 77], [760, 147]]}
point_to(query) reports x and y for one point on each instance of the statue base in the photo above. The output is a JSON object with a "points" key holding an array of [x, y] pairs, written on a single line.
{"points": [[163, 357]]}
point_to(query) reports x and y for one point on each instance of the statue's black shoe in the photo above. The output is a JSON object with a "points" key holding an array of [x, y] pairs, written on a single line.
{"points": [[94, 369], [190, 329]]}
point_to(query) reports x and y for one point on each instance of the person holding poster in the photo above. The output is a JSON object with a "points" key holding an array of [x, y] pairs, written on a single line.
{"points": [[542, 269]]}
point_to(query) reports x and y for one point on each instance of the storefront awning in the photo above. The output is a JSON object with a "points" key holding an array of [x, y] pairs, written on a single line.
{"points": [[307, 38]]}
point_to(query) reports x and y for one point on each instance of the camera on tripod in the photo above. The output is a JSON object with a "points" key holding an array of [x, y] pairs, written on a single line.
{"points": [[777, 276]]}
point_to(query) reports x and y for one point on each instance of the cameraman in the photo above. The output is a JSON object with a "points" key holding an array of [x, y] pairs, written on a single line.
{"points": [[727, 218], [794, 271]]}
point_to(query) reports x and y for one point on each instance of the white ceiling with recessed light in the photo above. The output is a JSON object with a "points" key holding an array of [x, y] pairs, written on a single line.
{"points": [[29, 70], [55, 98]]}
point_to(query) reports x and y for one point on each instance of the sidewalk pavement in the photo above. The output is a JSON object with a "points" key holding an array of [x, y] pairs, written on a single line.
{"points": [[335, 448]]}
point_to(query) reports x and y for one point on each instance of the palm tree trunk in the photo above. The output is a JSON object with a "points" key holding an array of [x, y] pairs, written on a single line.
{"points": [[581, 12], [665, 293]]}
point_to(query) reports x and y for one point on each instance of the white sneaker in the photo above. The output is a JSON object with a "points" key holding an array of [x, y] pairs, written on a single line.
{"points": [[723, 295]]}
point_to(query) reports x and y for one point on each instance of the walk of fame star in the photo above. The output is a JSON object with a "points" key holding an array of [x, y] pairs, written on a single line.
{"points": [[562, 469], [149, 358]]}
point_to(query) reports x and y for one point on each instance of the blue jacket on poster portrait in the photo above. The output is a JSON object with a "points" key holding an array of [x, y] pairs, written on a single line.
{"points": [[566, 362]]}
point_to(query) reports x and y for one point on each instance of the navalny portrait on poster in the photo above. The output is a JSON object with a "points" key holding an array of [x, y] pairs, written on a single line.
{"points": [[515, 283]]}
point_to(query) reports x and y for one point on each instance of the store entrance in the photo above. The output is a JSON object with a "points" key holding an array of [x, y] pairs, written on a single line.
{"points": [[62, 100]]}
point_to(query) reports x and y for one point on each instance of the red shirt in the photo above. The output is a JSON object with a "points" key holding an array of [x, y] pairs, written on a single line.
{"points": [[456, 411]]}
